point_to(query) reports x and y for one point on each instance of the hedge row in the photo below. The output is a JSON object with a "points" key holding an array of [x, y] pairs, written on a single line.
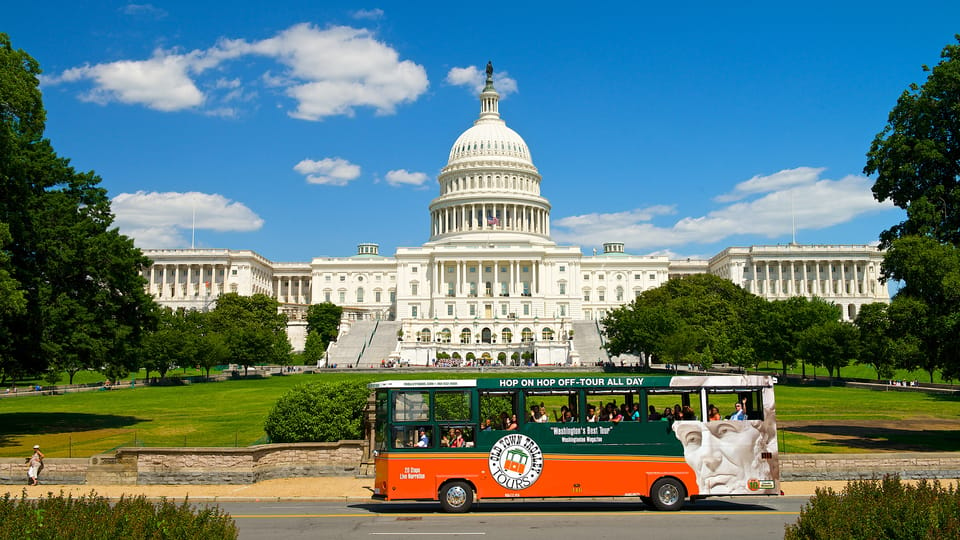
{"points": [[90, 517], [887, 508]]}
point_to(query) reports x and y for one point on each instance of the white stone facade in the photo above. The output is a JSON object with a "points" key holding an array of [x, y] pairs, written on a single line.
{"points": [[490, 277]]}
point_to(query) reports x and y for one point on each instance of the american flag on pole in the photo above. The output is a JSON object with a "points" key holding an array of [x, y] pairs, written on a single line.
{"points": [[493, 220]]}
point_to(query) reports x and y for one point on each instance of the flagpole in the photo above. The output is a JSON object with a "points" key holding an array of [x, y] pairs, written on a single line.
{"points": [[193, 228]]}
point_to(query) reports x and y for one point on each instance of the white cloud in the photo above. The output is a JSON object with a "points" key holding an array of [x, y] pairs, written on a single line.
{"points": [[815, 204], [327, 72], [145, 10], [784, 179], [160, 83], [328, 171], [370, 14], [404, 177], [475, 78], [160, 220]]}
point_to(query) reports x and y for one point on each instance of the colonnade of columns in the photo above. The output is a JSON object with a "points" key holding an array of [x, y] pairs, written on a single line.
{"points": [[825, 278], [292, 289], [522, 279], [186, 280], [490, 217]]}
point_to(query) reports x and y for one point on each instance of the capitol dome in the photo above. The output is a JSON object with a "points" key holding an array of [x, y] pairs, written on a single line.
{"points": [[490, 184]]}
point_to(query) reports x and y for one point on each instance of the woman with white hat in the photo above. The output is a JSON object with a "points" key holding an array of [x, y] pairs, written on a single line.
{"points": [[36, 463]]}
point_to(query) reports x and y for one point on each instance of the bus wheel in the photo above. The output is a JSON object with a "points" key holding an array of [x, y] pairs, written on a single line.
{"points": [[456, 497], [667, 494]]}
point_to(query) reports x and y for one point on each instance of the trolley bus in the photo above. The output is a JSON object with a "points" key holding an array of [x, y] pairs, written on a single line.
{"points": [[592, 435]]}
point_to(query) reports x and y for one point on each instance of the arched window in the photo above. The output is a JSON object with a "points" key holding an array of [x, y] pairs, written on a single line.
{"points": [[486, 335], [465, 335], [506, 336], [526, 335], [444, 335], [619, 294], [425, 335], [547, 334], [360, 295]]}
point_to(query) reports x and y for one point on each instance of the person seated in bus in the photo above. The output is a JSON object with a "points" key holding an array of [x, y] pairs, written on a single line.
{"points": [[591, 413], [714, 413], [635, 413], [738, 413], [445, 441], [677, 412], [688, 413], [612, 414], [567, 415], [538, 415], [625, 412], [488, 424], [512, 424], [424, 440], [457, 440], [667, 415], [652, 414], [504, 420]]}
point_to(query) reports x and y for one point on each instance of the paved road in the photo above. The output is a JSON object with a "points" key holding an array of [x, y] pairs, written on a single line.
{"points": [[753, 518]]}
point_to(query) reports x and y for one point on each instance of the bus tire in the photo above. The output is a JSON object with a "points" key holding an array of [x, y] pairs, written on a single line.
{"points": [[667, 494], [456, 497]]}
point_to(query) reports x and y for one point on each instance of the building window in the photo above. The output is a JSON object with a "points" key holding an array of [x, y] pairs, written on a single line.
{"points": [[360, 296], [473, 310], [524, 269], [506, 336], [503, 308], [413, 289], [343, 277], [586, 295], [328, 278], [473, 289], [526, 335], [600, 277], [619, 294], [637, 276], [563, 268], [473, 269], [526, 309], [547, 334], [343, 297], [413, 311], [586, 277], [563, 288], [601, 295], [563, 310], [233, 271], [393, 296], [450, 309], [414, 269], [326, 296], [376, 296], [450, 269], [465, 335], [653, 277], [488, 269]]}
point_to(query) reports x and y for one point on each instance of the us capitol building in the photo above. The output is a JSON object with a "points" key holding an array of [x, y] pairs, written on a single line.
{"points": [[490, 283]]}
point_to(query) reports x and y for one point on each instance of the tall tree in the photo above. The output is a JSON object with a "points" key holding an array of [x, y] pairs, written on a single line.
{"points": [[253, 327], [832, 345], [877, 347], [917, 155], [324, 319], [84, 299], [781, 323]]}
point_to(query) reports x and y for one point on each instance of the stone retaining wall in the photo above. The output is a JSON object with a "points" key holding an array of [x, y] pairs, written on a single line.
{"points": [[915, 465], [271, 461], [196, 465]]}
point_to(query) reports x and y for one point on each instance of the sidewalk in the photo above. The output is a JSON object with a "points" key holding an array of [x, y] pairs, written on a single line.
{"points": [[335, 488]]}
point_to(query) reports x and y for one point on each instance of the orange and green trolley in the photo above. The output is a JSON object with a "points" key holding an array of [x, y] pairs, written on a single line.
{"points": [[660, 439]]}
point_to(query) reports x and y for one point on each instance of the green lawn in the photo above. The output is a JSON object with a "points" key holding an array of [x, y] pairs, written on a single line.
{"points": [[856, 371], [232, 413]]}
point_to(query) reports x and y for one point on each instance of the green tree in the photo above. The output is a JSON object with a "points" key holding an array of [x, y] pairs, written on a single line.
{"points": [[831, 345], [781, 323], [313, 349], [319, 412], [84, 299], [253, 328], [212, 350], [324, 319], [917, 155], [173, 343], [877, 344]]}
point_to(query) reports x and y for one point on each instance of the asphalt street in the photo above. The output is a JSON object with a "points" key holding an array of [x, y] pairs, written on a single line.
{"points": [[755, 518]]}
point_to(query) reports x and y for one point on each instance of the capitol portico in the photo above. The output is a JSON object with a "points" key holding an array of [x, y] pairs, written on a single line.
{"points": [[490, 283]]}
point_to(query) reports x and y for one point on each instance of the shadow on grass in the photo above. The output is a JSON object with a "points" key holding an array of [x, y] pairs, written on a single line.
{"points": [[873, 438], [42, 423]]}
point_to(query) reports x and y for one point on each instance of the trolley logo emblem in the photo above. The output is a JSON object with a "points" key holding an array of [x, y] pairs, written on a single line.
{"points": [[515, 461]]}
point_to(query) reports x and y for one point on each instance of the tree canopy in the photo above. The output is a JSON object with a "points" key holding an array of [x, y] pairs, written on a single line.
{"points": [[71, 293]]}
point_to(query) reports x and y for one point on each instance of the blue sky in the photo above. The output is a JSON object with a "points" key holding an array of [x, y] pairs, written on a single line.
{"points": [[300, 129]]}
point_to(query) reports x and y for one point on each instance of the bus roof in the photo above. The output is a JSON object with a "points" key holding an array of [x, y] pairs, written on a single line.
{"points": [[598, 380]]}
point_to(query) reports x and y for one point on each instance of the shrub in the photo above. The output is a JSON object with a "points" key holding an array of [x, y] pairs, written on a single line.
{"points": [[93, 517], [319, 412], [886, 508]]}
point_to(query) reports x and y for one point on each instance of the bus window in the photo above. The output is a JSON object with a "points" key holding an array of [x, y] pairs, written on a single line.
{"points": [[453, 405], [613, 405], [412, 406], [552, 406], [457, 436], [727, 401], [380, 425], [497, 409], [687, 404], [413, 437]]}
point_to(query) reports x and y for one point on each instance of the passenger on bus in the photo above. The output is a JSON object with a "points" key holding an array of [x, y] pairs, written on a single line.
{"points": [[714, 413], [677, 412], [457, 440], [625, 413], [635, 413], [667, 415], [591, 413], [512, 424], [739, 413], [567, 416], [613, 415], [504, 420], [424, 441], [488, 424], [688, 413], [538, 415], [652, 414]]}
